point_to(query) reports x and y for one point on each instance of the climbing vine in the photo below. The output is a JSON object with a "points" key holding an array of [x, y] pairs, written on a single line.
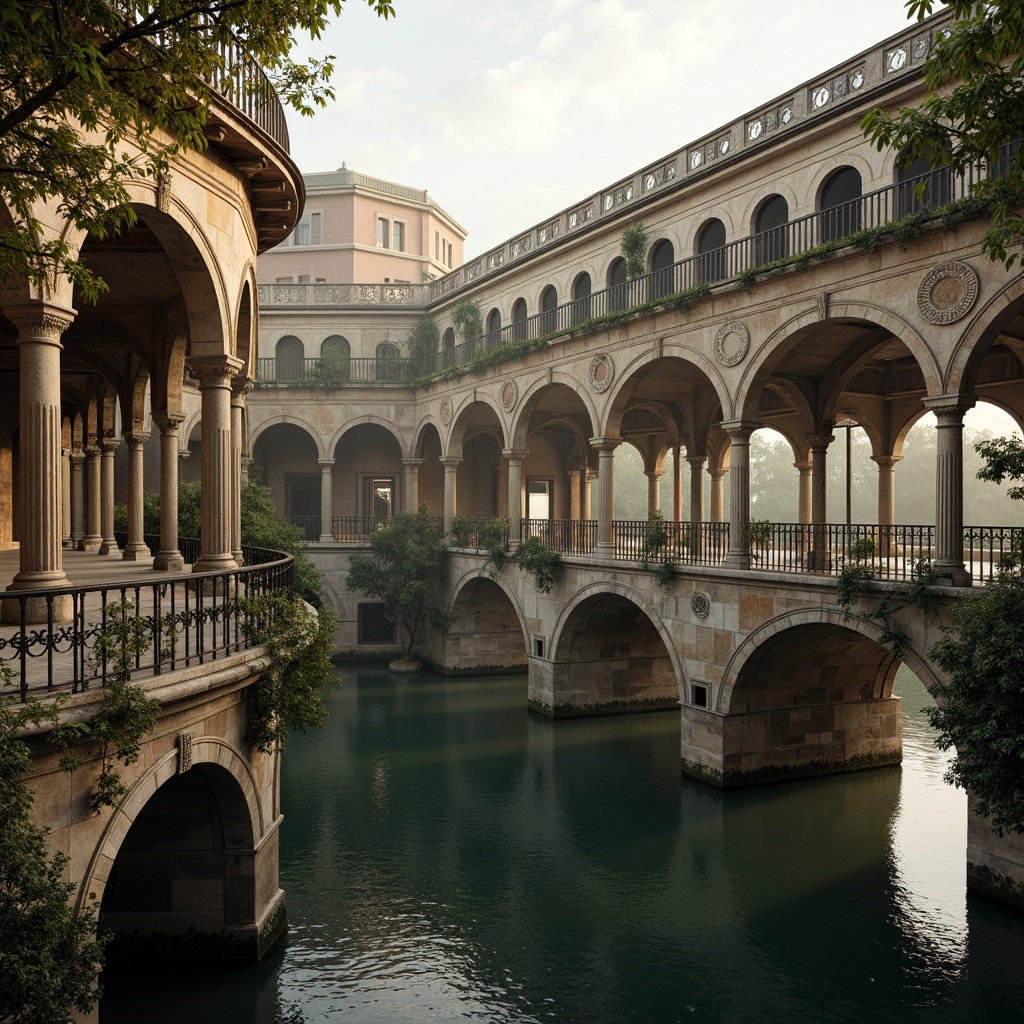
{"points": [[540, 560]]}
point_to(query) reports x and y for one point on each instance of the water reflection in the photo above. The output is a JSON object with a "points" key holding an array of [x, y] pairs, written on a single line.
{"points": [[448, 855]]}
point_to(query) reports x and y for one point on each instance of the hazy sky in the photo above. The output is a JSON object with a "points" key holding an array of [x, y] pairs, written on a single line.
{"points": [[507, 111]]}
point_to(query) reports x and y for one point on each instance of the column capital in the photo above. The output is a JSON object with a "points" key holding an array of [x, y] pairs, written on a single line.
{"points": [[136, 438], [240, 387], [819, 442], [740, 430], [77, 456], [411, 463], [696, 461], [515, 453], [214, 371], [886, 461], [325, 463], [450, 461], [606, 444], [950, 408], [803, 465], [168, 422], [654, 474], [38, 320], [717, 473], [109, 444]]}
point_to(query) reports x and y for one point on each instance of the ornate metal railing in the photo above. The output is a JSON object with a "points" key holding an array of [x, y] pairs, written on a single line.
{"points": [[309, 525], [569, 536], [245, 85], [356, 529], [329, 373], [987, 549], [478, 532], [666, 541], [191, 618]]}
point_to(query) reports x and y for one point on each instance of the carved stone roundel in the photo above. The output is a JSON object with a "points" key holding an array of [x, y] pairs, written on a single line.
{"points": [[509, 395], [446, 411], [701, 605], [602, 370], [731, 342], [947, 293]]}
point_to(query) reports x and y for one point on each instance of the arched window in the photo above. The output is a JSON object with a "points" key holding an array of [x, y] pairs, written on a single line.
{"points": [[335, 349], [617, 284], [840, 204], [548, 305], [770, 238], [448, 340], [581, 297], [493, 327], [289, 361], [711, 252], [663, 255], [519, 319], [920, 186], [388, 366], [1010, 159]]}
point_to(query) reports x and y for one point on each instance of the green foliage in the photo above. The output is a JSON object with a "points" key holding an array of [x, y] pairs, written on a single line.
{"points": [[49, 956], [540, 560], [460, 530], [633, 246], [758, 534], [863, 549], [974, 76], [494, 540], [129, 75], [404, 569], [850, 584], [1004, 459], [190, 507], [290, 692], [327, 374], [981, 706], [421, 344], [655, 548], [466, 320]]}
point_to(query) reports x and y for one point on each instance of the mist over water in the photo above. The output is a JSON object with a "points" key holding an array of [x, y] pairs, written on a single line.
{"points": [[449, 856]]}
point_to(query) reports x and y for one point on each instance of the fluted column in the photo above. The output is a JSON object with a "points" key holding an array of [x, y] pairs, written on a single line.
{"points": [[108, 445], [949, 485], [40, 326], [818, 557], [451, 466], [412, 484], [136, 547], [326, 500], [886, 500], [77, 497], [65, 498], [168, 558], [696, 487], [653, 490], [240, 387], [514, 457], [739, 432], [216, 514], [94, 497], [717, 494], [606, 493], [804, 495]]}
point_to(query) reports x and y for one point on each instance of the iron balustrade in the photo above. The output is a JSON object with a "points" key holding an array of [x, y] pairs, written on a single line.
{"points": [[568, 536], [309, 525], [314, 371], [188, 547], [192, 618], [987, 549], [356, 529], [476, 533]]}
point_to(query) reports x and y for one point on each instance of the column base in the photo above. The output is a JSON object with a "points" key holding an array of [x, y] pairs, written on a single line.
{"points": [[325, 538], [134, 552], [736, 560], [955, 572], [169, 561], [40, 608], [214, 563], [109, 547], [238, 557], [604, 549], [91, 544]]}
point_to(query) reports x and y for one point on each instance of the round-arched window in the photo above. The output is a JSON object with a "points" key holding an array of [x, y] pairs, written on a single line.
{"points": [[519, 319], [548, 306], [840, 204], [771, 240], [711, 252], [617, 284], [663, 256], [289, 361], [581, 298]]}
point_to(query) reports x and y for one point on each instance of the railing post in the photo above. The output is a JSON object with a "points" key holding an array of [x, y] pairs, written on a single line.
{"points": [[739, 432], [514, 457], [606, 494]]}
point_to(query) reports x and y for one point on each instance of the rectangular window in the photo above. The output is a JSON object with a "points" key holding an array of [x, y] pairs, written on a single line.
{"points": [[538, 499], [283, 280], [449, 254], [374, 627], [437, 246], [382, 232], [399, 237], [304, 279], [309, 230]]}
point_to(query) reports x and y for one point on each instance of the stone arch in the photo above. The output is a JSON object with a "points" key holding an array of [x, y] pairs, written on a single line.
{"points": [[493, 643], [356, 421], [610, 650], [812, 197], [767, 354], [532, 395], [461, 417], [213, 750], [263, 426], [245, 335], [755, 201]]}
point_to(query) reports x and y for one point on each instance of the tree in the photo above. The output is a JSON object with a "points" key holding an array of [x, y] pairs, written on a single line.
{"points": [[466, 320], [94, 92], [422, 344], [403, 568], [974, 77], [633, 246], [48, 953]]}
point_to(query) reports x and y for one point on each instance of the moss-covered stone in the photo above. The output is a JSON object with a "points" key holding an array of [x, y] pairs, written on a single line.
{"points": [[982, 879]]}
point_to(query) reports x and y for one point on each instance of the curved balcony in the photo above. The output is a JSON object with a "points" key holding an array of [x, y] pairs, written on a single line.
{"points": [[191, 618]]}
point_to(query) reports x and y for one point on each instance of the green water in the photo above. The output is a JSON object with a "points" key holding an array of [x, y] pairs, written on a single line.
{"points": [[449, 856]]}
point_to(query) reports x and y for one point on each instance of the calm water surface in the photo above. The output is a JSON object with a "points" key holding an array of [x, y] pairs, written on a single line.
{"points": [[448, 856]]}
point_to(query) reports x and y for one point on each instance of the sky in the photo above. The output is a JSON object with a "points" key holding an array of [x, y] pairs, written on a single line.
{"points": [[507, 111]]}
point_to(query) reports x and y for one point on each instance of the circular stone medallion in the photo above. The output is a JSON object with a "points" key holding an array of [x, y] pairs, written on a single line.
{"points": [[947, 293], [701, 604], [602, 369], [731, 343], [509, 395], [446, 411]]}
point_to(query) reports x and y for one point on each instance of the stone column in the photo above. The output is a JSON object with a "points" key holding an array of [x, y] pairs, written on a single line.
{"points": [[246, 463], [65, 498], [40, 326], [514, 457], [818, 556], [677, 486], [240, 387], [108, 445], [168, 558], [804, 500], [588, 476], [653, 490], [77, 460], [6, 491], [739, 432], [606, 493], [949, 485], [451, 466], [327, 500], [886, 500], [136, 547], [696, 487], [575, 494], [717, 495], [412, 484], [93, 510], [216, 514]]}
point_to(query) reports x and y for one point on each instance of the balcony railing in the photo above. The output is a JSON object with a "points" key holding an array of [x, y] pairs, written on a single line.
{"points": [[192, 618], [329, 373], [360, 296], [246, 86]]}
